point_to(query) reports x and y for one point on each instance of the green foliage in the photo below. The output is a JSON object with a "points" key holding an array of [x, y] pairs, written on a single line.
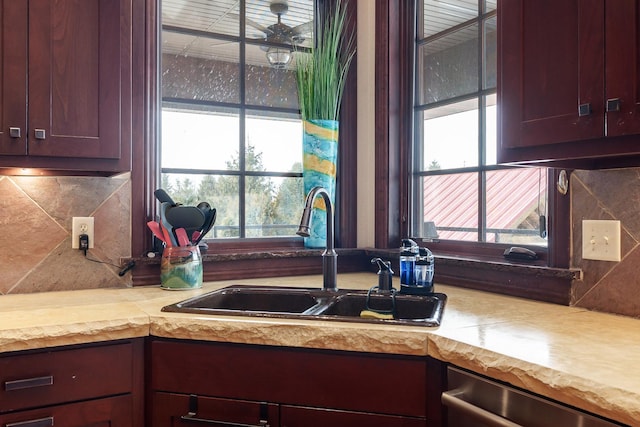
{"points": [[321, 74], [265, 202]]}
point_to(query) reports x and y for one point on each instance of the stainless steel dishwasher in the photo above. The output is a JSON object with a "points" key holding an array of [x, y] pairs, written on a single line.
{"points": [[474, 401]]}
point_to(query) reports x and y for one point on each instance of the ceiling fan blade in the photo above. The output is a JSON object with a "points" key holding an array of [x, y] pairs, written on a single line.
{"points": [[301, 29], [253, 24]]}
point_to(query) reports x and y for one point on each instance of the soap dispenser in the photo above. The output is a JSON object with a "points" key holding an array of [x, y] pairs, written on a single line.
{"points": [[385, 275], [408, 253], [423, 271]]}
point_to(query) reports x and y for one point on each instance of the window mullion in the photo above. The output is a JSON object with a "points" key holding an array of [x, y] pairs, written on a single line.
{"points": [[242, 123]]}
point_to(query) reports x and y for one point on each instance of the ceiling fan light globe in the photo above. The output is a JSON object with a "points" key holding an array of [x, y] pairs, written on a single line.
{"points": [[278, 57]]}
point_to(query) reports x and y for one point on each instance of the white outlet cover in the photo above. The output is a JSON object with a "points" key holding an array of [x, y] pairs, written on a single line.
{"points": [[601, 240], [81, 225]]}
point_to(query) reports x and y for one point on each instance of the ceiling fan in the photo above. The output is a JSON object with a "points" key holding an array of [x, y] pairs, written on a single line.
{"points": [[280, 56]]}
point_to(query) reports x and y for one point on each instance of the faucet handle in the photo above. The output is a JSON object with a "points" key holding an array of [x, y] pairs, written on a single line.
{"points": [[385, 274]]}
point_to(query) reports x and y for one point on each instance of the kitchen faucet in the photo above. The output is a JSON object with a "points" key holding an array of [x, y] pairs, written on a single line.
{"points": [[329, 256]]}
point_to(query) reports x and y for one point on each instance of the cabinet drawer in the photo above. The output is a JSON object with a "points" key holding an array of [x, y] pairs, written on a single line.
{"points": [[58, 376], [112, 411], [170, 409], [395, 385], [292, 416]]}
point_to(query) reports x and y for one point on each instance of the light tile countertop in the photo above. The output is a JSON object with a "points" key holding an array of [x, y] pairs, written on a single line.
{"points": [[582, 358]]}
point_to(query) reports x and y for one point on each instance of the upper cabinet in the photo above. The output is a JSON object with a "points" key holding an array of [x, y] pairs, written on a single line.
{"points": [[65, 85], [569, 82]]}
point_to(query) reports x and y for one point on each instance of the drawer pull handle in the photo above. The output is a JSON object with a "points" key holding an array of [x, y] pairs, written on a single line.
{"points": [[192, 416], [451, 399], [584, 110], [42, 422], [40, 134], [28, 383], [613, 105], [14, 132]]}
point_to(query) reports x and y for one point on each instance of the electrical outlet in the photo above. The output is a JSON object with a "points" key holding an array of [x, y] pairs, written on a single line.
{"points": [[601, 240], [81, 225]]}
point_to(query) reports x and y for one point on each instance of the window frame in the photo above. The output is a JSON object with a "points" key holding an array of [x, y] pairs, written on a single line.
{"points": [[145, 174], [395, 68]]}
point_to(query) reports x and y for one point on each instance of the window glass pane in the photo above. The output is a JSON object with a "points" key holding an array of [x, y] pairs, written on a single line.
{"points": [[451, 136], [515, 200], [273, 143], [193, 139], [219, 16], [223, 191], [451, 203], [273, 206], [449, 66], [266, 84], [440, 15], [490, 55], [490, 5], [491, 123], [200, 68]]}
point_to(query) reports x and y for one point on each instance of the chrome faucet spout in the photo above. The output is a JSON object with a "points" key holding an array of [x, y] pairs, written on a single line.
{"points": [[329, 256]]}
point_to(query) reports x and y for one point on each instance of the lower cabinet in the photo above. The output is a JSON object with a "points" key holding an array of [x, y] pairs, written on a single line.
{"points": [[111, 411], [292, 416], [171, 409], [249, 385], [91, 385]]}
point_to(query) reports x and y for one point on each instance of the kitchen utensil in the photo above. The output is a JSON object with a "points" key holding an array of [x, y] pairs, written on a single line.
{"points": [[208, 224], [188, 217], [183, 239], [167, 227], [162, 196], [155, 228]]}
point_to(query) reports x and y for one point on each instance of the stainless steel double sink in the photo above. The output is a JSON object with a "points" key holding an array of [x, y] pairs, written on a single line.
{"points": [[312, 303]]}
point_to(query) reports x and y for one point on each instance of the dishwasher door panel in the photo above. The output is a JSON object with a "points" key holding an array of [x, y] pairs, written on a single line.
{"points": [[474, 401]]}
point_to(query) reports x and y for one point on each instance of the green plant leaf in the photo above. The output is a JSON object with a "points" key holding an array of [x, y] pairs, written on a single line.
{"points": [[321, 74]]}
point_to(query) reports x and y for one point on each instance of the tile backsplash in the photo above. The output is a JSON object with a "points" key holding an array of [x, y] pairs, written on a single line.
{"points": [[614, 194], [35, 232], [36, 254]]}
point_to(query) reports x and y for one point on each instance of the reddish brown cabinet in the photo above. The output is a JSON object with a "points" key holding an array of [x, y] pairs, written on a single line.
{"points": [[65, 87], [569, 80], [308, 387], [90, 385]]}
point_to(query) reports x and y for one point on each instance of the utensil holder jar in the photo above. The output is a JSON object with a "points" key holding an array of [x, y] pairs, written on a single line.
{"points": [[181, 268]]}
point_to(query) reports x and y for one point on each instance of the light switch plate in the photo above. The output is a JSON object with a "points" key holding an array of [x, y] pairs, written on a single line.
{"points": [[601, 240]]}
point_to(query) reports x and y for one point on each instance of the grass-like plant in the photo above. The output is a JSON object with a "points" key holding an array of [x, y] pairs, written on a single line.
{"points": [[321, 74]]}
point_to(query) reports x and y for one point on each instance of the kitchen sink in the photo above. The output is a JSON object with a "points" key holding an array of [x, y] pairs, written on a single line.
{"points": [[249, 299], [345, 305], [421, 309]]}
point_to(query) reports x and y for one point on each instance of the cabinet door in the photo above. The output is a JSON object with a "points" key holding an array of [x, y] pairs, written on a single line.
{"points": [[74, 78], [13, 76], [66, 375], [109, 412], [291, 416], [623, 67], [551, 61], [170, 409]]}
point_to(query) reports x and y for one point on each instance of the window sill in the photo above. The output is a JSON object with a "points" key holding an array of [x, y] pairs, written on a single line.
{"points": [[531, 281], [246, 264], [535, 282]]}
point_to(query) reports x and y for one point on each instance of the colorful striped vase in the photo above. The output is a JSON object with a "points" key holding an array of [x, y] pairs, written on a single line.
{"points": [[320, 153]]}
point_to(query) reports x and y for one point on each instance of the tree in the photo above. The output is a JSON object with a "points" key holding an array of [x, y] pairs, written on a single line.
{"points": [[434, 165], [266, 204]]}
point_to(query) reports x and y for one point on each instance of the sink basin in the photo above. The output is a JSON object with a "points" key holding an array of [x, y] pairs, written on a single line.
{"points": [[415, 309], [249, 299], [312, 303]]}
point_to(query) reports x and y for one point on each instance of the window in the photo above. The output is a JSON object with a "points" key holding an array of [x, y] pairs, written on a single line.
{"points": [[458, 192], [231, 132]]}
